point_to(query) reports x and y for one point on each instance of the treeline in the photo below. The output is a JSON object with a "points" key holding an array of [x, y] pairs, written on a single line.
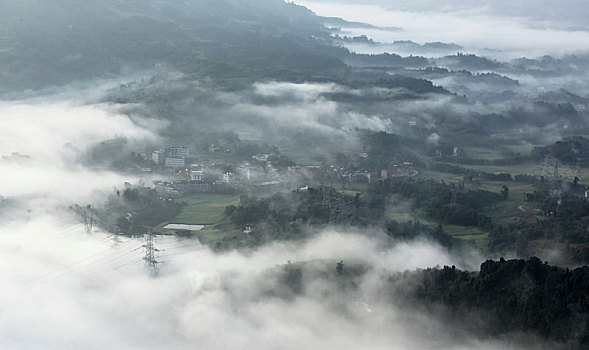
{"points": [[385, 149], [286, 216], [132, 210], [508, 160], [566, 223], [411, 230], [572, 150], [446, 204], [509, 296], [386, 60], [469, 174], [297, 214]]}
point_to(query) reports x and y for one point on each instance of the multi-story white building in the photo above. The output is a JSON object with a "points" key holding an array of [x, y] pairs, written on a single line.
{"points": [[228, 178], [196, 175], [158, 156], [177, 189], [261, 157], [178, 152], [171, 162]]}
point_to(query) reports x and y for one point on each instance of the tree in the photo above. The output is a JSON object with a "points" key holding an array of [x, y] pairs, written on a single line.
{"points": [[505, 191], [340, 267]]}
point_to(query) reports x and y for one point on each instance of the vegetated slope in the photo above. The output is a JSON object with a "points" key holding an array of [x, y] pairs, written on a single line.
{"points": [[54, 43], [510, 296], [506, 297]]}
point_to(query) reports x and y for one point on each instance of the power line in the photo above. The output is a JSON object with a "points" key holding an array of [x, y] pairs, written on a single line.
{"points": [[75, 267]]}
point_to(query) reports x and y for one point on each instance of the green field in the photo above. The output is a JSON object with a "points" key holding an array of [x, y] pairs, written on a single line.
{"points": [[483, 153], [204, 208], [438, 176], [301, 157], [466, 232], [212, 235], [566, 172], [402, 212], [512, 210]]}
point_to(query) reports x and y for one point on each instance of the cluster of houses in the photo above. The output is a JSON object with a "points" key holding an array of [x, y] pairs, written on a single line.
{"points": [[259, 172], [221, 145], [192, 177], [340, 174], [193, 182], [176, 189], [171, 157]]}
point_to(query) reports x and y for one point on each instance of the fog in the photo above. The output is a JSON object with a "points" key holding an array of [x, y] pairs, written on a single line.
{"points": [[66, 288], [42, 142], [491, 29], [303, 106], [72, 290], [69, 289]]}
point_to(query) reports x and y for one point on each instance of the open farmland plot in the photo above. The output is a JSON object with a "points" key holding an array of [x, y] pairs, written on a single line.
{"points": [[204, 209]]}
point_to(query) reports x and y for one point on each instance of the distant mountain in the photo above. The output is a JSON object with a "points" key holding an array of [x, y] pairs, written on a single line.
{"points": [[339, 22], [404, 46], [467, 62], [564, 96], [53, 43]]}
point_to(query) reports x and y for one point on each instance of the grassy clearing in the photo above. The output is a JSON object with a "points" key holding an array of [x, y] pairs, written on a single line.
{"points": [[350, 192], [426, 174], [204, 209], [535, 169], [468, 234], [514, 208], [508, 211], [301, 157], [483, 153], [210, 234], [463, 231], [402, 212]]}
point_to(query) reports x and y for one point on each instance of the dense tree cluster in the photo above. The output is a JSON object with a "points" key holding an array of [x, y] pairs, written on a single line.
{"points": [[572, 150], [515, 295], [293, 215], [566, 223], [131, 210], [410, 230], [447, 204]]}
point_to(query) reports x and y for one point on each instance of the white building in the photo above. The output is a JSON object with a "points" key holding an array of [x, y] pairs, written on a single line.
{"points": [[178, 152], [228, 178], [196, 175], [158, 156], [171, 162], [261, 157]]}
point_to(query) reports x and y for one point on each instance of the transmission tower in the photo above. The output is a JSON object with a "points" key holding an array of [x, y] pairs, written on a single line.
{"points": [[327, 200], [335, 203], [150, 251], [555, 178], [550, 170], [453, 199], [88, 215]]}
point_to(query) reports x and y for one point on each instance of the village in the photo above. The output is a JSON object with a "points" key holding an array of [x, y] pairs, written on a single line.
{"points": [[176, 174]]}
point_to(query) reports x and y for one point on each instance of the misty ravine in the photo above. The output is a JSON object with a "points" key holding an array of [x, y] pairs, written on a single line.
{"points": [[326, 174]]}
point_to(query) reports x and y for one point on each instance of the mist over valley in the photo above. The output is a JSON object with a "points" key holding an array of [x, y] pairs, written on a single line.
{"points": [[282, 175]]}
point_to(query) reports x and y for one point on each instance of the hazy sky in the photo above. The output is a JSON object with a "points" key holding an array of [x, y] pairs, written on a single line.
{"points": [[516, 28]]}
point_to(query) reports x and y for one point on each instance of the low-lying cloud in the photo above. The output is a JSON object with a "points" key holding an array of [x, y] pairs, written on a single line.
{"points": [[286, 113], [478, 29], [40, 145], [72, 290], [67, 289]]}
